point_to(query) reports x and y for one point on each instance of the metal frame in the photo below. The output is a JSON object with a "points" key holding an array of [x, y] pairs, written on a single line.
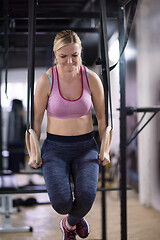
{"points": [[106, 82], [130, 110]]}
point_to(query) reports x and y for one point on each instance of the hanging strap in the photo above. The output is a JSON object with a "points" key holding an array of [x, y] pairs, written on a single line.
{"points": [[105, 61], [132, 11], [30, 133], [105, 144], [31, 61], [106, 141], [6, 41], [107, 137]]}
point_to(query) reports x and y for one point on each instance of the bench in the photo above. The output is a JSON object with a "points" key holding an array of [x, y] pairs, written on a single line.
{"points": [[8, 188]]}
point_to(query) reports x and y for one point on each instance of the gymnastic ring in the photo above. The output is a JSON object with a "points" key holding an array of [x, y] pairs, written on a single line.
{"points": [[107, 137], [32, 133]]}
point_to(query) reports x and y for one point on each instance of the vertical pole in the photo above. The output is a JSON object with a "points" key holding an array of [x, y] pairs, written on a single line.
{"points": [[103, 203], [6, 46], [122, 127], [106, 82], [105, 58], [1, 163], [6, 40], [103, 193], [31, 57]]}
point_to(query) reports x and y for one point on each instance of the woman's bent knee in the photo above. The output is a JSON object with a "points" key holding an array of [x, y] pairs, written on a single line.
{"points": [[86, 198], [62, 207]]}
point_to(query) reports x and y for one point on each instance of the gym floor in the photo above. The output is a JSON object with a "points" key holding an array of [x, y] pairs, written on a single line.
{"points": [[143, 222]]}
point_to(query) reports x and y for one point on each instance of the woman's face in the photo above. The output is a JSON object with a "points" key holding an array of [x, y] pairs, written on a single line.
{"points": [[69, 57]]}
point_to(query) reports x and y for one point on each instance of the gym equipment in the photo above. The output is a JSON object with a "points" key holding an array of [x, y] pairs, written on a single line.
{"points": [[123, 39], [8, 188], [31, 134], [106, 142], [15, 139], [130, 110]]}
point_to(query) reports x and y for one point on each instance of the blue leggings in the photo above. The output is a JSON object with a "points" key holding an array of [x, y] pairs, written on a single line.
{"points": [[67, 158]]}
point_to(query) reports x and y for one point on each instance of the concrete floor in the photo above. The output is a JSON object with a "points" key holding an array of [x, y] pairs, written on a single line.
{"points": [[143, 222]]}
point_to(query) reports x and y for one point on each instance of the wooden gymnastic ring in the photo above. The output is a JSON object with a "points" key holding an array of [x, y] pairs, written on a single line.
{"points": [[107, 137], [31, 133]]}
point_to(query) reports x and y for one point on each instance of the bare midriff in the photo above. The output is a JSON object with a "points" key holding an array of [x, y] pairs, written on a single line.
{"points": [[70, 127]]}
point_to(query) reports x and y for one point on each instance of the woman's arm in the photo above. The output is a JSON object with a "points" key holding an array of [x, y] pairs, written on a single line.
{"points": [[98, 100], [42, 92]]}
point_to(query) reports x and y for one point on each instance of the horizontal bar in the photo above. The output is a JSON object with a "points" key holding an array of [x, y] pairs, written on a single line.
{"points": [[131, 110], [23, 191], [154, 108], [23, 49], [111, 189], [42, 189], [10, 173], [55, 15], [55, 29]]}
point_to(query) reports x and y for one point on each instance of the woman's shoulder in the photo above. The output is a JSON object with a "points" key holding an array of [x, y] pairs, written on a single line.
{"points": [[44, 81], [94, 80], [49, 71], [92, 73], [93, 76], [46, 75]]}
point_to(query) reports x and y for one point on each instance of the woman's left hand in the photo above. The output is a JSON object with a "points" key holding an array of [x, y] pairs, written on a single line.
{"points": [[104, 161], [32, 163]]}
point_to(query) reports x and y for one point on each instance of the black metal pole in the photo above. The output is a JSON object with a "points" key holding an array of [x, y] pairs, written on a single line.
{"points": [[106, 83], [1, 160], [6, 39], [105, 59], [123, 184], [31, 58], [103, 194], [104, 206]]}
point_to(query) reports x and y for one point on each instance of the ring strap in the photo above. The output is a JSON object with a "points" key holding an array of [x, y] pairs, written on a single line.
{"points": [[31, 133], [107, 138]]}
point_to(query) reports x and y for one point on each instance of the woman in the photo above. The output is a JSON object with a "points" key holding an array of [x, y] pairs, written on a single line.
{"points": [[67, 91]]}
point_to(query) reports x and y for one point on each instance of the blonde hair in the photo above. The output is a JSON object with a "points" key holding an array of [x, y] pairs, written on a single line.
{"points": [[64, 38]]}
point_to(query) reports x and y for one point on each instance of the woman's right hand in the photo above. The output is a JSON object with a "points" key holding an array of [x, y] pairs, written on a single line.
{"points": [[104, 161], [32, 163]]}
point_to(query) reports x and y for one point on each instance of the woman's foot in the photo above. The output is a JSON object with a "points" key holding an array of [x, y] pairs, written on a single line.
{"points": [[68, 234], [82, 228]]}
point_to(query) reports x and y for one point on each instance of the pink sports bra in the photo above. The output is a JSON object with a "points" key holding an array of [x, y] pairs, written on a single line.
{"points": [[60, 107]]}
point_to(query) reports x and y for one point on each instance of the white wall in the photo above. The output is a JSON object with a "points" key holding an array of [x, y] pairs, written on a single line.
{"points": [[148, 88], [17, 85]]}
